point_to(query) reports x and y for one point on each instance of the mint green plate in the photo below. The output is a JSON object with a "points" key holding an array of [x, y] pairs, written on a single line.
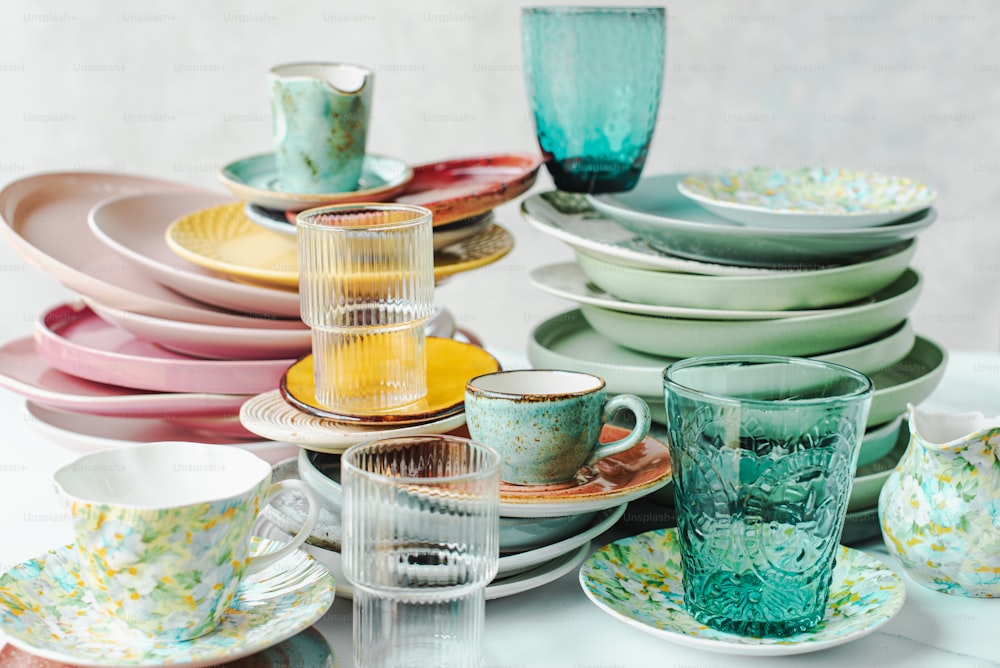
{"points": [[803, 336], [766, 291], [567, 341], [908, 381], [656, 212]]}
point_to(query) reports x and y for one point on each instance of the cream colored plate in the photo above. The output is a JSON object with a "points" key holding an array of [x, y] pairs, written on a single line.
{"points": [[224, 240], [270, 416]]}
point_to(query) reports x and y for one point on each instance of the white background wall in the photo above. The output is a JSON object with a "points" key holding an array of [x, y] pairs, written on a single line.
{"points": [[176, 89]]}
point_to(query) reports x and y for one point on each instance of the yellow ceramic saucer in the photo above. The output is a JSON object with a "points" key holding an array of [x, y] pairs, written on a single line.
{"points": [[222, 239], [450, 365]]}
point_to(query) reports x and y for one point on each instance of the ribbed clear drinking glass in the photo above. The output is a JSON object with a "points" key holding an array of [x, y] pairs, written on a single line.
{"points": [[421, 542], [366, 288]]}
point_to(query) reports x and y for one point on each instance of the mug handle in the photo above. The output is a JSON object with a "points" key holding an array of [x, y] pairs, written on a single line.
{"points": [[261, 561], [643, 418]]}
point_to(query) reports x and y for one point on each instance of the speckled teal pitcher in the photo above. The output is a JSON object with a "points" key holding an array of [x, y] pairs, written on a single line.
{"points": [[940, 509], [321, 113]]}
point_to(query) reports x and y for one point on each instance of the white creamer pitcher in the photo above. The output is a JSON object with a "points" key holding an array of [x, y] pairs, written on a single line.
{"points": [[940, 509]]}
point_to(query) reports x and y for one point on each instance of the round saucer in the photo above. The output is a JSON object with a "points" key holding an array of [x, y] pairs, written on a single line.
{"points": [[621, 478], [308, 648], [638, 580], [450, 365], [255, 179], [48, 613], [268, 415]]}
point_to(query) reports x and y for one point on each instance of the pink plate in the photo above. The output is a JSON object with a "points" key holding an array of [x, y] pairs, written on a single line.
{"points": [[45, 221], [24, 372], [74, 340], [213, 341], [134, 225], [465, 187], [81, 432]]}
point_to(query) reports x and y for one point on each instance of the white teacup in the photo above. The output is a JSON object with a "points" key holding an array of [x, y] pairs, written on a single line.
{"points": [[163, 531]]}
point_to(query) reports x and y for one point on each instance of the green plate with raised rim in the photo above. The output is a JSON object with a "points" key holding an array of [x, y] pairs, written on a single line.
{"points": [[567, 341], [768, 291]]}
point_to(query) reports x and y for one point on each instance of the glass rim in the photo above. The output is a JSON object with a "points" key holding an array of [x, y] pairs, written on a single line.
{"points": [[347, 464], [594, 9], [278, 70], [472, 387], [421, 215], [865, 385]]}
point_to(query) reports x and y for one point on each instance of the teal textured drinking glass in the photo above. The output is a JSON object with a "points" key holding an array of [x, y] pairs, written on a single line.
{"points": [[594, 76], [764, 451]]}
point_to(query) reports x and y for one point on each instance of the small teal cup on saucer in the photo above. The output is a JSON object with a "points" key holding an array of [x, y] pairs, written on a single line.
{"points": [[594, 76], [320, 115], [546, 424]]}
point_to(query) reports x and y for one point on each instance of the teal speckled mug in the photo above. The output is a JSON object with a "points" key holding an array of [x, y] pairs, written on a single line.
{"points": [[545, 423], [321, 113]]}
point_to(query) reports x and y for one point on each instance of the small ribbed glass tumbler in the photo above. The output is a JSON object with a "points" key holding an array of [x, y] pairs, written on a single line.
{"points": [[594, 76], [421, 541], [366, 288]]}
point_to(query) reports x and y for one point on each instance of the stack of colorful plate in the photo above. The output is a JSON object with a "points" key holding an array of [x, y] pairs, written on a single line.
{"points": [[461, 193], [186, 310], [545, 530], [806, 262]]}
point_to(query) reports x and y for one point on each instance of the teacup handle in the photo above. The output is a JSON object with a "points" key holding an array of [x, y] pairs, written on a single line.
{"points": [[643, 418], [262, 561]]}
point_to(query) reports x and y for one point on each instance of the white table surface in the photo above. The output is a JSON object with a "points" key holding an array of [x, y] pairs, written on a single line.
{"points": [[556, 625]]}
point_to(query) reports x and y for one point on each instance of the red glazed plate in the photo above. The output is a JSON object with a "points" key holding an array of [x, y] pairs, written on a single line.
{"points": [[465, 187], [621, 478]]}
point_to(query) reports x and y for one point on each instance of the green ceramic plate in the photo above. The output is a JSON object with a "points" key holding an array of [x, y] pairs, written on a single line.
{"points": [[567, 341], [767, 291], [803, 336], [656, 212], [868, 479], [566, 280], [908, 381]]}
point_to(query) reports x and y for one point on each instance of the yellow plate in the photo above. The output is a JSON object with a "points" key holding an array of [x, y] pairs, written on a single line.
{"points": [[224, 240], [450, 365]]}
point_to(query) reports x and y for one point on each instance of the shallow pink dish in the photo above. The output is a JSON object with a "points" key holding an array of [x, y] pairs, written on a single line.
{"points": [[74, 340], [85, 433], [134, 226], [24, 372], [212, 341], [45, 221]]}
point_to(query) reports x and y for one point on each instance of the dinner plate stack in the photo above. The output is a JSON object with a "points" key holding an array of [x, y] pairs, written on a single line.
{"points": [[807, 262], [188, 308]]}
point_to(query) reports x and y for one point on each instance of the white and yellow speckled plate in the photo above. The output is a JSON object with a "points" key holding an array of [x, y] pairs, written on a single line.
{"points": [[45, 612], [638, 580], [807, 197], [270, 416], [222, 239]]}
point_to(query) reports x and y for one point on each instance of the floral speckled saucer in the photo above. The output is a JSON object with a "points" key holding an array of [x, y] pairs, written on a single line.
{"points": [[639, 581], [43, 610]]}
